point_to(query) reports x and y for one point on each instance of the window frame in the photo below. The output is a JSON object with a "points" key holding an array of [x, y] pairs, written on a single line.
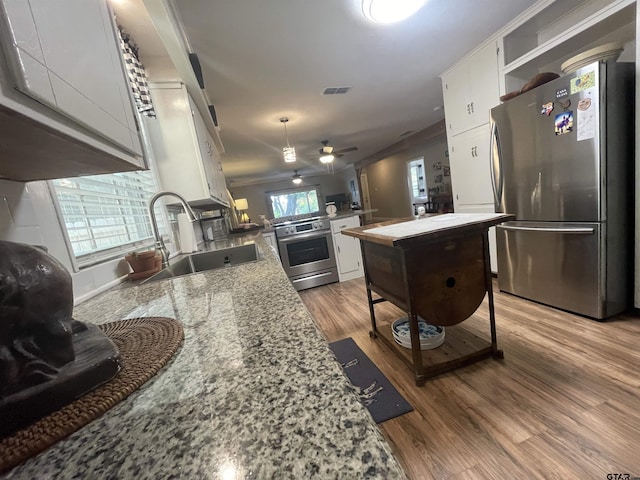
{"points": [[102, 256], [417, 198], [285, 191]]}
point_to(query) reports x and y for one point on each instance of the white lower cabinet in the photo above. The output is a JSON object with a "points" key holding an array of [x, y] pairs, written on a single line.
{"points": [[270, 238], [348, 253]]}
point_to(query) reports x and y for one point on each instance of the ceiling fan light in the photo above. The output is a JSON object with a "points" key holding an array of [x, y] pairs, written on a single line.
{"points": [[390, 11], [297, 179], [327, 158], [289, 154]]}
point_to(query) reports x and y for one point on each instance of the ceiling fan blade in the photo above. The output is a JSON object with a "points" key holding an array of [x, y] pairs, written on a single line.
{"points": [[345, 150]]}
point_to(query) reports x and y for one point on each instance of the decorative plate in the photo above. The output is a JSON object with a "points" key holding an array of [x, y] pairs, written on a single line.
{"points": [[427, 332], [608, 51]]}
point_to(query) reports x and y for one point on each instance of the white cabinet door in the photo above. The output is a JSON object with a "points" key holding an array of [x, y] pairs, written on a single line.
{"points": [[210, 158], [470, 172], [175, 144], [65, 104], [208, 154], [484, 88], [270, 238], [348, 253], [65, 55], [187, 159], [455, 90], [470, 90]]}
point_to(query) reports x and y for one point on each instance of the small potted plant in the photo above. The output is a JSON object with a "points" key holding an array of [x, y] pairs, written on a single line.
{"points": [[144, 262]]}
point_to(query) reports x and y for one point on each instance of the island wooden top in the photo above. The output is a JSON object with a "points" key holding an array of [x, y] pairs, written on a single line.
{"points": [[408, 231]]}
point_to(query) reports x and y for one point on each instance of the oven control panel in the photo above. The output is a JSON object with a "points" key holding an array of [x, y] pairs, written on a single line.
{"points": [[301, 228]]}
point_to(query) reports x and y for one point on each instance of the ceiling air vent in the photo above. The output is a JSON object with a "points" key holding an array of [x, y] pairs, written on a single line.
{"points": [[335, 90]]}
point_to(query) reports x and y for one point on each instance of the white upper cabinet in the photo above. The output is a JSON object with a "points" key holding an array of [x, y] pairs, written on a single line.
{"points": [[63, 73], [210, 158], [471, 89], [187, 160]]}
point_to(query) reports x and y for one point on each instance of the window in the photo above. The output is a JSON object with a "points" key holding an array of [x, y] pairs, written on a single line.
{"points": [[105, 215], [294, 201], [417, 179]]}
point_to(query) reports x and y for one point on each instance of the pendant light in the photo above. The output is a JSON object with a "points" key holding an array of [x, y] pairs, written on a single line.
{"points": [[297, 179], [289, 152]]}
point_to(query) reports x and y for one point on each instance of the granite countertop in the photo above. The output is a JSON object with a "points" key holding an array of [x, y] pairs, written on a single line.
{"points": [[254, 392]]}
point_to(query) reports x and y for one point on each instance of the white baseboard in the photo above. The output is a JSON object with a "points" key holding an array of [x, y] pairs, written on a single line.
{"points": [[102, 288]]}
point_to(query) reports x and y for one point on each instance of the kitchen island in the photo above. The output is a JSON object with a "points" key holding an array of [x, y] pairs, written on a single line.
{"points": [[254, 392], [437, 269]]}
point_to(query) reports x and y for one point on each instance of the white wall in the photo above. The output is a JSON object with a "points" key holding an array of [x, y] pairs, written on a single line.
{"points": [[388, 178], [436, 163]]}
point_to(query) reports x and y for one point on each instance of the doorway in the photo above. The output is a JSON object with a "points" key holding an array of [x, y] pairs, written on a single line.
{"points": [[366, 199]]}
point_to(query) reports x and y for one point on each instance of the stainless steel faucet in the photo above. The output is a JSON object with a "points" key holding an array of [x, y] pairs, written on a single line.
{"points": [[154, 224]]}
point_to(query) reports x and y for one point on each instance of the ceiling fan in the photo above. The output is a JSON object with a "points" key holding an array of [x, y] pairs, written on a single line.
{"points": [[328, 153]]}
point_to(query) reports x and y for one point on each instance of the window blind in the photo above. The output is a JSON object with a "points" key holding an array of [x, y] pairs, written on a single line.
{"points": [[105, 215]]}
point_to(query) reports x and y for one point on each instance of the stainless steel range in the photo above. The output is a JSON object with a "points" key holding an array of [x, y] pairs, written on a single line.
{"points": [[306, 251]]}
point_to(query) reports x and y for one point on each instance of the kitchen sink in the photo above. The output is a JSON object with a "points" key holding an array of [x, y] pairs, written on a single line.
{"points": [[200, 262]]}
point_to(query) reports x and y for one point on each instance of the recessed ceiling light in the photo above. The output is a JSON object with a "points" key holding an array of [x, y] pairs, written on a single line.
{"points": [[390, 11]]}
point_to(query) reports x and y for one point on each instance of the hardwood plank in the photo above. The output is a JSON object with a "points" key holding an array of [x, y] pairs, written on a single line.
{"points": [[564, 402]]}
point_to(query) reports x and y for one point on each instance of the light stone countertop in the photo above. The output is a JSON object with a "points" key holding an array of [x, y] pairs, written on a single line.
{"points": [[254, 392]]}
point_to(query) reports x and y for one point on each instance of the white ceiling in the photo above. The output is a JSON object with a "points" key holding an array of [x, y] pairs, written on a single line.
{"points": [[263, 60]]}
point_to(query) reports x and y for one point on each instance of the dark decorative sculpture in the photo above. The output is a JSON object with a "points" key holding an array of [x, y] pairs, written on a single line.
{"points": [[47, 359]]}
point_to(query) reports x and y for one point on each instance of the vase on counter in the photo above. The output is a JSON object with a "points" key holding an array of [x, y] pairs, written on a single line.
{"points": [[265, 221]]}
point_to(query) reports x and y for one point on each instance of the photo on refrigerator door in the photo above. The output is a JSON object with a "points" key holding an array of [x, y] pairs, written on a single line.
{"points": [[564, 123]]}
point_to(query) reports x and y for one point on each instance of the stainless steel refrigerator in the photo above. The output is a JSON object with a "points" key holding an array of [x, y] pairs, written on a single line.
{"points": [[562, 159]]}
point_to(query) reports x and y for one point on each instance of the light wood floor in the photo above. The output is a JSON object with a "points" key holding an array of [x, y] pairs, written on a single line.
{"points": [[564, 403]]}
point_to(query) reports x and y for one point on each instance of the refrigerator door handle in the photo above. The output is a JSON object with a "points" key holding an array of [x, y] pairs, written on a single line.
{"points": [[495, 165], [572, 231]]}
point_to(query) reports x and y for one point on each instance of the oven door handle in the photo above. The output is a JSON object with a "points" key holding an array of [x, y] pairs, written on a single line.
{"points": [[304, 236]]}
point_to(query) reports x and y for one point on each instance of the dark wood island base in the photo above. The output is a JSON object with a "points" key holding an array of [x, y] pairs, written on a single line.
{"points": [[436, 268]]}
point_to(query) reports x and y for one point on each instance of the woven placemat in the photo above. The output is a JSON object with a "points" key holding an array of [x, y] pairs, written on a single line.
{"points": [[145, 344]]}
